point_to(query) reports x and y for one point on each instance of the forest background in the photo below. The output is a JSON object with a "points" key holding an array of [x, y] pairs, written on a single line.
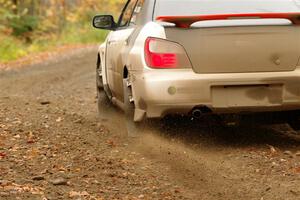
{"points": [[32, 26]]}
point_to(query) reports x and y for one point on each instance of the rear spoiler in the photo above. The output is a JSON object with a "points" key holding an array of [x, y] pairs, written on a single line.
{"points": [[187, 21]]}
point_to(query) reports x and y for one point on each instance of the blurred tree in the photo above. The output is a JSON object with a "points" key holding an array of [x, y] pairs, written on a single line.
{"points": [[27, 18]]}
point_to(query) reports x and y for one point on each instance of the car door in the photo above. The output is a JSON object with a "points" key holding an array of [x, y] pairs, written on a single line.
{"points": [[116, 44]]}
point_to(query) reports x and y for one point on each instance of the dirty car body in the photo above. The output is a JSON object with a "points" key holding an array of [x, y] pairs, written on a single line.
{"points": [[218, 56]]}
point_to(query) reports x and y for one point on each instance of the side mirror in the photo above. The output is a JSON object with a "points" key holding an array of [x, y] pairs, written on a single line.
{"points": [[104, 22]]}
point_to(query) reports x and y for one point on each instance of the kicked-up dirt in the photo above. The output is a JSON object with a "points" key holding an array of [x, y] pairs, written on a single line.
{"points": [[54, 145]]}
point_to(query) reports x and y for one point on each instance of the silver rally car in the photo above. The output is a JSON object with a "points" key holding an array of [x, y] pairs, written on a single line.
{"points": [[202, 56]]}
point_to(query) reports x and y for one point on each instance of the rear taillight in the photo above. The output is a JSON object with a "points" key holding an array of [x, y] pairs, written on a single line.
{"points": [[163, 54]]}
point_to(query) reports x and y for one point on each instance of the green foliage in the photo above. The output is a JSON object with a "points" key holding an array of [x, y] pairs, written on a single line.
{"points": [[5, 14], [23, 25], [32, 25], [11, 49], [83, 35]]}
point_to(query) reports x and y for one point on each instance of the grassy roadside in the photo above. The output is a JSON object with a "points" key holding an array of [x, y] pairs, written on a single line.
{"points": [[13, 48], [31, 27]]}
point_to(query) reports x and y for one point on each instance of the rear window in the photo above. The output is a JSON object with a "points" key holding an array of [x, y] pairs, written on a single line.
{"points": [[206, 7]]}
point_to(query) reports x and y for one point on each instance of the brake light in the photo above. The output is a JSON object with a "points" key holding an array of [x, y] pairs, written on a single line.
{"points": [[187, 21], [163, 54]]}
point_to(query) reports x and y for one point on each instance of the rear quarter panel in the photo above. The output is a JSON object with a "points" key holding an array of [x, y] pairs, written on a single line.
{"points": [[136, 58]]}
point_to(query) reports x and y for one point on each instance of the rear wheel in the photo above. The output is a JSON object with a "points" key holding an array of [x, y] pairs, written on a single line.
{"points": [[104, 104], [133, 128], [295, 124], [294, 121]]}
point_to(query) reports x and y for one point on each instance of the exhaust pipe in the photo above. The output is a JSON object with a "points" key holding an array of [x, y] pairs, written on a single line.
{"points": [[197, 113]]}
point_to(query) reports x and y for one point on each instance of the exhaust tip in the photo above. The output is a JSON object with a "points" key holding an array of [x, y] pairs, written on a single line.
{"points": [[197, 113]]}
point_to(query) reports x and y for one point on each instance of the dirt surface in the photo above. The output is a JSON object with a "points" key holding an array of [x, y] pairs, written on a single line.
{"points": [[41, 57], [54, 145]]}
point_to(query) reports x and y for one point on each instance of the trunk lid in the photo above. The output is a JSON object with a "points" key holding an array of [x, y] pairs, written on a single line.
{"points": [[237, 49]]}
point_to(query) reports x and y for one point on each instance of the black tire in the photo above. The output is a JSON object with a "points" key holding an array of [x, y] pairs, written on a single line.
{"points": [[103, 101], [105, 106], [294, 120], [295, 124], [134, 129]]}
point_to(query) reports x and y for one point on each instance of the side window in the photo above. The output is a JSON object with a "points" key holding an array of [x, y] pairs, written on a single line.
{"points": [[127, 14], [137, 11]]}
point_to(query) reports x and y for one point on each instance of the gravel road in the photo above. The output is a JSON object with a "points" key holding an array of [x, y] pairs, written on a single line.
{"points": [[54, 145]]}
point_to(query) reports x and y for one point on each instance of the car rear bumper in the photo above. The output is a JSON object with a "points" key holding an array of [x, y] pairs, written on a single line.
{"points": [[161, 92]]}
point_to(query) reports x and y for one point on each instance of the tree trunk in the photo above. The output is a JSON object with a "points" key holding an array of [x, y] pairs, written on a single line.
{"points": [[15, 2]]}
